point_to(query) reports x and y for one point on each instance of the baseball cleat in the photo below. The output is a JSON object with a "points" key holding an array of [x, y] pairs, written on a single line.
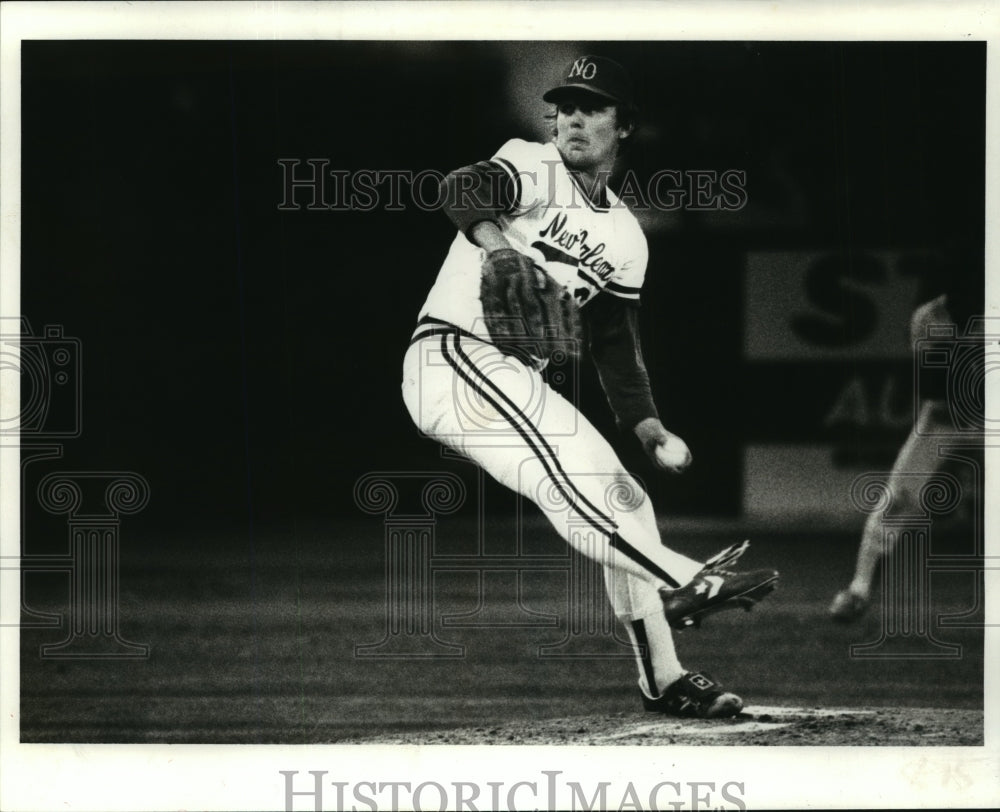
{"points": [[715, 589], [847, 606], [695, 695]]}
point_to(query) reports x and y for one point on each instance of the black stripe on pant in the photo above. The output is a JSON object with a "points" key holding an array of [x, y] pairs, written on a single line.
{"points": [[536, 441]]}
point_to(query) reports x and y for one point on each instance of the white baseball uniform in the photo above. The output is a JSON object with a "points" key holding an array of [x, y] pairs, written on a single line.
{"points": [[497, 409]]}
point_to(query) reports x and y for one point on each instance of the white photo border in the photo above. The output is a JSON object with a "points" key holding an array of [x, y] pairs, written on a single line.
{"points": [[131, 777]]}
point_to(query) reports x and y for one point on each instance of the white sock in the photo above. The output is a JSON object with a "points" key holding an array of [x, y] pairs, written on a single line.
{"points": [[655, 656]]}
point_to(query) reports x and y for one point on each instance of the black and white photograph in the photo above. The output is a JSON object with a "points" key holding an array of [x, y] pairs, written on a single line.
{"points": [[438, 406]]}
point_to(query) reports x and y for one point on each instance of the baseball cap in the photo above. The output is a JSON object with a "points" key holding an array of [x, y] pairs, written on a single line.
{"points": [[595, 74]]}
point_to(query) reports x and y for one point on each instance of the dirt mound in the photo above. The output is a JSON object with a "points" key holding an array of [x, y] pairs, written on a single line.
{"points": [[756, 726]]}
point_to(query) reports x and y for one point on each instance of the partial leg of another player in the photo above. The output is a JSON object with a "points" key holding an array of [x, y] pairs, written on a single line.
{"points": [[918, 460]]}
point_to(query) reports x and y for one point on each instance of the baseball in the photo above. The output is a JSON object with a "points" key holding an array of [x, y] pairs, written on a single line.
{"points": [[673, 453]]}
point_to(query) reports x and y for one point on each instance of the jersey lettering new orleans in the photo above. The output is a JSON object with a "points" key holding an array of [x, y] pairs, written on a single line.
{"points": [[586, 247]]}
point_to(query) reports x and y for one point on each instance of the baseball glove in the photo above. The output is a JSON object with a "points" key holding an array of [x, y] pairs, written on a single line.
{"points": [[525, 310]]}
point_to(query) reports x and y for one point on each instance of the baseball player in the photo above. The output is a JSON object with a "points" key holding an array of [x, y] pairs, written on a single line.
{"points": [[919, 457], [547, 259]]}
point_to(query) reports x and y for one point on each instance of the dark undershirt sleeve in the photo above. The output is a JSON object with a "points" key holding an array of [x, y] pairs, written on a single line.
{"points": [[612, 330], [482, 191]]}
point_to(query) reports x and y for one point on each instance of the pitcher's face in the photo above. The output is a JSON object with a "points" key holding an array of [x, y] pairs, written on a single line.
{"points": [[587, 131]]}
